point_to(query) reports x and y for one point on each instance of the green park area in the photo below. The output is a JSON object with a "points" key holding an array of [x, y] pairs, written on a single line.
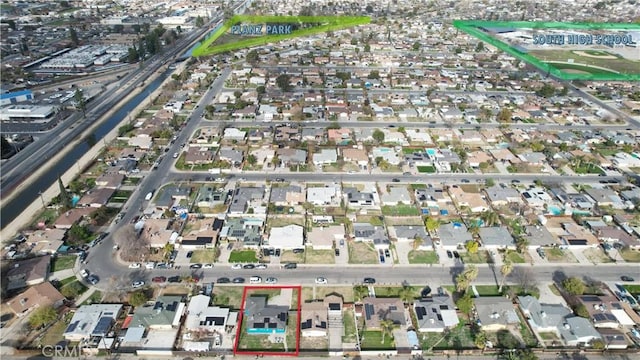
{"points": [[223, 40]]}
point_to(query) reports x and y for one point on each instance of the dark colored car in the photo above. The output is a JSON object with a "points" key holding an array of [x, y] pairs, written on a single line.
{"points": [[174, 279], [189, 254], [449, 254], [277, 252], [395, 180], [626, 278], [298, 251], [456, 255], [249, 266], [159, 279], [195, 266], [238, 280], [465, 181], [92, 279], [290, 266], [223, 280], [337, 251], [387, 253], [369, 280]]}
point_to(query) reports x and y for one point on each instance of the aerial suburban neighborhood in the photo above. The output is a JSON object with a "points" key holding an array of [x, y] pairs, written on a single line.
{"points": [[320, 178]]}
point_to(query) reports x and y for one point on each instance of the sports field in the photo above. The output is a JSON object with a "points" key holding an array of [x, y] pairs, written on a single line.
{"points": [[591, 61]]}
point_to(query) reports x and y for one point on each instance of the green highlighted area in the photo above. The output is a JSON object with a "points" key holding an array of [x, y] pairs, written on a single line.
{"points": [[568, 51], [242, 31]]}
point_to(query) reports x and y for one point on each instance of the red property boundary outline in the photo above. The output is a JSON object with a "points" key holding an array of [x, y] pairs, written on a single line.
{"points": [[239, 326]]}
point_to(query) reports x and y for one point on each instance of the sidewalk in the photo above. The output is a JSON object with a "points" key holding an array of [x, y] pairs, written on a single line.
{"points": [[87, 294], [62, 274]]}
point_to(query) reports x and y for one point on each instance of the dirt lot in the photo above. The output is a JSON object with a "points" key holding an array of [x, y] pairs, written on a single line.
{"points": [[361, 253]]}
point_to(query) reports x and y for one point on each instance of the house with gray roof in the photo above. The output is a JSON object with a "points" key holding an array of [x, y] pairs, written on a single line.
{"points": [[538, 236], [171, 194], [533, 158], [92, 320], [433, 196], [543, 317], [165, 313], [263, 318], [209, 196], [452, 235], [606, 197], [500, 196], [396, 195], [496, 237], [409, 232], [370, 233], [356, 197], [435, 314], [231, 155], [242, 196], [287, 195], [495, 313], [290, 157], [248, 231], [325, 157]]}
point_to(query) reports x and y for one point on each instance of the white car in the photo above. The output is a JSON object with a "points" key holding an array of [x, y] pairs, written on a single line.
{"points": [[261, 266], [150, 265], [135, 266], [270, 280], [321, 280], [236, 266], [207, 266], [137, 284], [84, 273]]}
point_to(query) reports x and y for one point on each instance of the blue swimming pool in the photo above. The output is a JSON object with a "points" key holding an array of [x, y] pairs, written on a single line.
{"points": [[431, 152], [555, 210], [74, 200]]}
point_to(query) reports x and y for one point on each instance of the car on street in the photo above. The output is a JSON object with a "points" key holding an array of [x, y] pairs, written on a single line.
{"points": [[321, 280], [82, 257], [236, 266], [207, 266], [162, 266], [626, 278], [137, 284], [270, 280], [382, 259], [341, 242], [92, 279], [135, 266], [159, 279], [195, 266], [369, 280], [223, 280], [465, 181], [290, 265], [84, 273], [175, 155], [249, 266], [261, 266], [238, 280], [395, 180], [449, 254], [174, 279], [150, 265]]}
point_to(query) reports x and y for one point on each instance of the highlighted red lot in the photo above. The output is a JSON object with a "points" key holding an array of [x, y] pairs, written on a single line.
{"points": [[252, 339]]}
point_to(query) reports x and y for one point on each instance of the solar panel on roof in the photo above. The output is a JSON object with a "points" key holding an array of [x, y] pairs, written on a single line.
{"points": [[439, 317], [103, 325], [71, 327], [421, 312], [368, 311]]}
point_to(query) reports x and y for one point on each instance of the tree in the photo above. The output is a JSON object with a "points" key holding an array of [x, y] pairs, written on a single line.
{"points": [[374, 74], [581, 310], [504, 116], [138, 298], [43, 315], [480, 46], [386, 327], [464, 279], [472, 246], [253, 57], [251, 159], [547, 90], [416, 46], [73, 35], [78, 234], [378, 136], [505, 270], [65, 198], [81, 102], [432, 224], [260, 90], [490, 218], [480, 340], [465, 303], [132, 247], [199, 21], [573, 286], [133, 55], [506, 340], [284, 82], [72, 290]]}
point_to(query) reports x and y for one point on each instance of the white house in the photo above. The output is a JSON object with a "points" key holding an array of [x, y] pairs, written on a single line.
{"points": [[322, 195], [287, 237]]}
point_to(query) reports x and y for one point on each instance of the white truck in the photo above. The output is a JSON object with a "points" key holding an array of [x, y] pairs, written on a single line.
{"points": [[149, 196]]}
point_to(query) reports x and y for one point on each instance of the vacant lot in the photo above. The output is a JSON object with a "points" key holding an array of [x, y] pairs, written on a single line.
{"points": [[54, 334], [423, 257], [362, 253], [319, 256], [322, 291], [514, 257], [597, 255], [63, 262], [204, 256], [459, 337], [559, 255], [630, 255], [228, 296], [480, 257], [242, 256], [290, 256]]}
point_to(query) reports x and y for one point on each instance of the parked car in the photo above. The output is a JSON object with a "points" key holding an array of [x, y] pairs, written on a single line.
{"points": [[189, 254], [92, 279], [321, 280], [223, 280], [456, 254], [298, 251], [290, 265], [270, 280], [195, 266], [150, 265], [238, 280], [84, 273], [135, 266], [261, 266], [207, 266], [369, 280], [277, 252], [395, 180], [337, 252], [387, 253], [626, 278], [137, 284], [159, 279], [249, 266], [236, 266], [174, 279]]}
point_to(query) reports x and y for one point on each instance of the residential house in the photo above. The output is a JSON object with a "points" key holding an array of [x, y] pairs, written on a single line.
{"points": [[370, 233], [196, 155], [244, 198], [203, 317], [314, 319], [379, 309], [286, 237], [287, 195], [46, 241], [326, 195], [96, 198], [537, 197], [263, 318], [312, 134], [409, 233], [358, 156], [502, 196], [339, 136], [606, 197], [435, 313], [432, 197], [171, 195], [606, 311], [286, 134], [495, 313], [387, 154], [396, 195], [232, 134], [475, 158], [164, 314], [28, 272], [538, 236], [39, 295], [473, 201], [325, 157], [453, 235], [92, 320], [355, 197], [71, 217], [209, 197], [533, 158], [109, 180], [231, 155], [496, 237], [324, 237], [290, 157], [248, 231]]}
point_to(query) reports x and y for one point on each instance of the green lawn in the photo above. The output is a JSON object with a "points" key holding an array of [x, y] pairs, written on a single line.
{"points": [[633, 289], [423, 257], [349, 326], [395, 291], [630, 255], [480, 257], [426, 169], [63, 262], [514, 257], [242, 256], [228, 296], [205, 256], [587, 168], [95, 298], [372, 340], [54, 334], [400, 210], [457, 338]]}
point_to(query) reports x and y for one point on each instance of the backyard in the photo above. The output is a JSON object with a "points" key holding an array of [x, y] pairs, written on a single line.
{"points": [[423, 257], [349, 326], [362, 253], [630, 255], [400, 210]]}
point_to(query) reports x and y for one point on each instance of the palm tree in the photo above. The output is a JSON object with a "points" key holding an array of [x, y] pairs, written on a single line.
{"points": [[490, 218], [417, 242], [386, 327], [406, 294], [464, 279], [432, 224], [480, 340], [505, 270]]}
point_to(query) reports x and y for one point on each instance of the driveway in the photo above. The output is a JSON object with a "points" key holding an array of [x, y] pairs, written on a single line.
{"points": [[402, 251]]}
